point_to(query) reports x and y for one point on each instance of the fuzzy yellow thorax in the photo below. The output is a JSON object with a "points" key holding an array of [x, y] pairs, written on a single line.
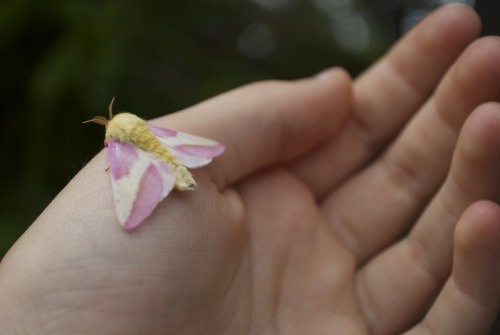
{"points": [[128, 128]]}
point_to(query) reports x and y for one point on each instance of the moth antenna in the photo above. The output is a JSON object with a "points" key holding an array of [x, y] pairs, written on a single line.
{"points": [[98, 119], [110, 108]]}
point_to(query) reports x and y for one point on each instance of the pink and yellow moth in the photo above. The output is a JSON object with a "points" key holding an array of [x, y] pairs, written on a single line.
{"points": [[146, 162]]}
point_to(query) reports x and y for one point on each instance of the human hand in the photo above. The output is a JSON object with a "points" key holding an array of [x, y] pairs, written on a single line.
{"points": [[301, 226]]}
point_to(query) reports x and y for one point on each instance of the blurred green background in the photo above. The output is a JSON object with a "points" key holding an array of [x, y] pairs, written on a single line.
{"points": [[63, 61]]}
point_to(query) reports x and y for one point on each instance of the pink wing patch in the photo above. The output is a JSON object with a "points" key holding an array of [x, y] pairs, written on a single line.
{"points": [[191, 151], [121, 157], [149, 194], [139, 181]]}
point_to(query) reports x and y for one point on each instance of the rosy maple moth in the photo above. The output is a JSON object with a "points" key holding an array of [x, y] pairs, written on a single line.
{"points": [[146, 162]]}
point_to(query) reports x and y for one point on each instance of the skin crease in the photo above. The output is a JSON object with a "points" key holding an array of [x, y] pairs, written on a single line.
{"points": [[337, 208]]}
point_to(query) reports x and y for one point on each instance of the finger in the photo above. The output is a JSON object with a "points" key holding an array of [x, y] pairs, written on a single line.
{"points": [[268, 123], [414, 269], [389, 93], [403, 180], [470, 299]]}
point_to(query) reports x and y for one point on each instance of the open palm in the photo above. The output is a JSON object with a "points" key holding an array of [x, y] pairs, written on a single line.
{"points": [[336, 209]]}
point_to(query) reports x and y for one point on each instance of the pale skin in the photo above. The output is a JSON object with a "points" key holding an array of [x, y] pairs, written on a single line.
{"points": [[317, 219]]}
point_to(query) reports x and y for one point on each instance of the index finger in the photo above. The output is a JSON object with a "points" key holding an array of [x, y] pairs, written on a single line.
{"points": [[267, 123], [390, 92]]}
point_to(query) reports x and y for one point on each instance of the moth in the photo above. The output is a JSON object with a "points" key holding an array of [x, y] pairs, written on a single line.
{"points": [[146, 162]]}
